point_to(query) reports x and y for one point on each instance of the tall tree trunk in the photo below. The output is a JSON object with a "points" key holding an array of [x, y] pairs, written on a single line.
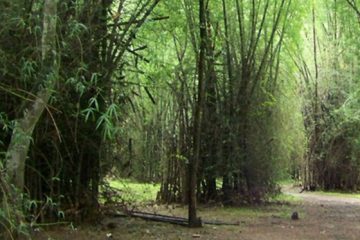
{"points": [[24, 127], [210, 118], [193, 166], [313, 155]]}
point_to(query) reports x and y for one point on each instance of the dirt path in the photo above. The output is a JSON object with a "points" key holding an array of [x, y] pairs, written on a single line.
{"points": [[322, 217], [317, 198]]}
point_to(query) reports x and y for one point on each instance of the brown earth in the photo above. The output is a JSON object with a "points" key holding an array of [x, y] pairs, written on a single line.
{"points": [[321, 217]]}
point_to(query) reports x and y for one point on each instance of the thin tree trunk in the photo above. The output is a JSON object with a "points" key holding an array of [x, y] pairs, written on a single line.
{"points": [[193, 166], [226, 181], [24, 127], [316, 106]]}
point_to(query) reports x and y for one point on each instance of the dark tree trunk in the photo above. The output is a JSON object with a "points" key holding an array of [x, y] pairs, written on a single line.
{"points": [[194, 221]]}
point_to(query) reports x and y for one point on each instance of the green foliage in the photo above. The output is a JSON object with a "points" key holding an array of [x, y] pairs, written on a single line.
{"points": [[12, 222], [134, 192], [330, 96], [163, 131]]}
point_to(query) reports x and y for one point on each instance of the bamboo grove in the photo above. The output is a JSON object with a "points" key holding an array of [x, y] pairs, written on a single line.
{"points": [[216, 100], [239, 110]]}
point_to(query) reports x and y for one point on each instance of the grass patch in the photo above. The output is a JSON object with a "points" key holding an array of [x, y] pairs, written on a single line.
{"points": [[135, 192], [287, 181], [284, 198], [247, 213], [233, 211], [285, 205], [278, 206], [139, 193]]}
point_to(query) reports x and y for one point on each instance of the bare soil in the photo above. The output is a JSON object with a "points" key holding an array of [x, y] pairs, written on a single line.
{"points": [[321, 217]]}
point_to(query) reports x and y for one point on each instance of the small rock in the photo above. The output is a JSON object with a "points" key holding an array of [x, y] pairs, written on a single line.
{"points": [[111, 225], [196, 235], [295, 216]]}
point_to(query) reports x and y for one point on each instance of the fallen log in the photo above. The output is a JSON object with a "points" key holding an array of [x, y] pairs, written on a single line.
{"points": [[160, 218], [170, 219]]}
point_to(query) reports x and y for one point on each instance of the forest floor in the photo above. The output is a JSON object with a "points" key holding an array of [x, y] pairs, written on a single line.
{"points": [[322, 216]]}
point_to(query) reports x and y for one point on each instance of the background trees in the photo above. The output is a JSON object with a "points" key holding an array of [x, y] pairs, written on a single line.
{"points": [[244, 149], [329, 84]]}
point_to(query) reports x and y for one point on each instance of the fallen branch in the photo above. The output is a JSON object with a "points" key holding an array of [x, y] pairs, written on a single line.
{"points": [[169, 219]]}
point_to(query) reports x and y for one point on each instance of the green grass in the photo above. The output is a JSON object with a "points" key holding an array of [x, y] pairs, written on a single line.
{"points": [[287, 181], [232, 213], [285, 199], [248, 212], [135, 192], [141, 193]]}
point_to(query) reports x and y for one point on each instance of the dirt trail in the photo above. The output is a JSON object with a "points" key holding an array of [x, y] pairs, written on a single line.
{"points": [[321, 217], [317, 198]]}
